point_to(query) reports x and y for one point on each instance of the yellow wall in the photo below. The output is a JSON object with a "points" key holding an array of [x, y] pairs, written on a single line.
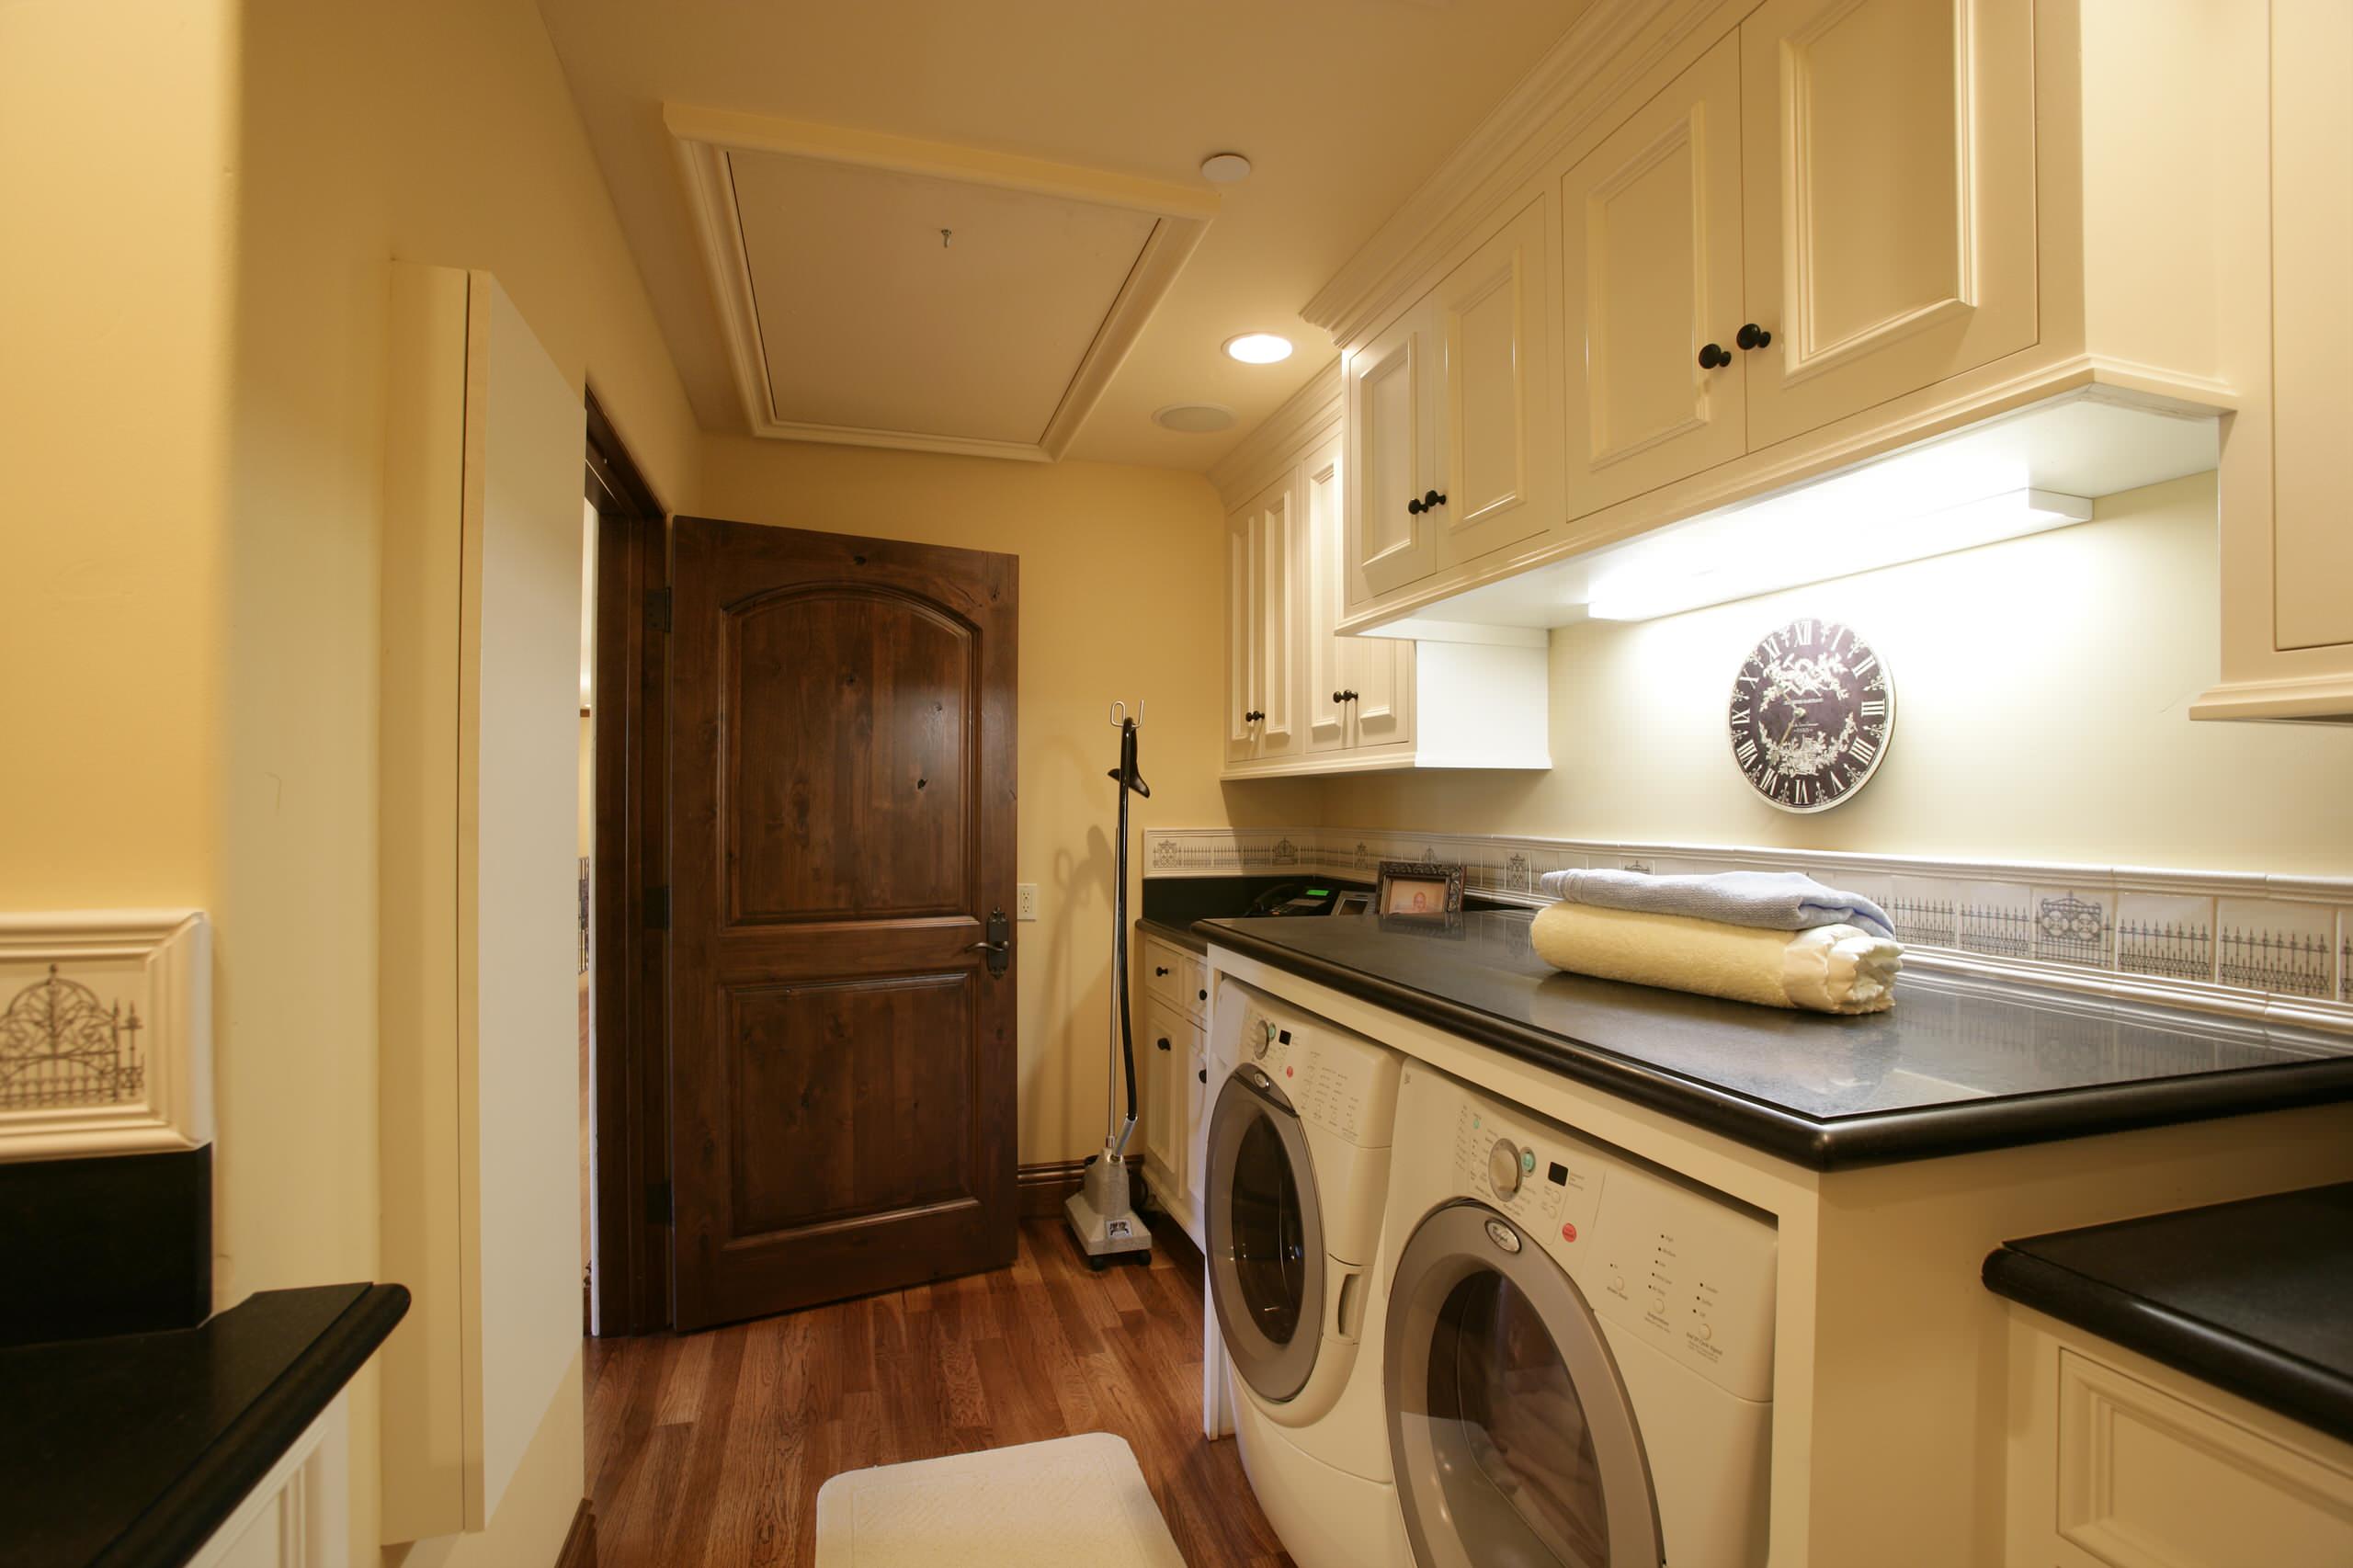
{"points": [[204, 197], [1122, 577], [114, 298], [2041, 689]]}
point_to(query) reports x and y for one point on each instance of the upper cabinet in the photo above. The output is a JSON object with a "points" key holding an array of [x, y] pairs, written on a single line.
{"points": [[1888, 180], [2287, 518], [1649, 264], [1302, 697], [1761, 243]]}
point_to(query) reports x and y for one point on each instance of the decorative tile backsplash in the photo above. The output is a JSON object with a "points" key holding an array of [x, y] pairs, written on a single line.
{"points": [[2226, 940]]}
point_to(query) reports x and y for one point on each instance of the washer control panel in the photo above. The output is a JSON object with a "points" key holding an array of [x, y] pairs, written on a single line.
{"points": [[1689, 1273], [1331, 1077]]}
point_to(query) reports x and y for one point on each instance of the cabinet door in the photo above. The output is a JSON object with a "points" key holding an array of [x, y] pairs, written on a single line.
{"points": [[1889, 155], [1262, 620], [1358, 688], [1161, 1048], [1391, 539], [1194, 1172], [2311, 301], [1651, 274], [1499, 466]]}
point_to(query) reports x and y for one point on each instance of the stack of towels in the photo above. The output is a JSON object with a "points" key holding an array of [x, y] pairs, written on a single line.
{"points": [[1777, 939]]}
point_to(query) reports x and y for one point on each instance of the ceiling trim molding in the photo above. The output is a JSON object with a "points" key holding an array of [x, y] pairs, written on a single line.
{"points": [[705, 138], [1251, 463], [1606, 50]]}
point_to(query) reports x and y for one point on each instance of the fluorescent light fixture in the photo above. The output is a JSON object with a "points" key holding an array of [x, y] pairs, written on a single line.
{"points": [[1807, 536], [1258, 349]]}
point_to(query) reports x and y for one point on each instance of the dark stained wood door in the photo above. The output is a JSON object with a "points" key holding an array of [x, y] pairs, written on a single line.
{"points": [[842, 830]]}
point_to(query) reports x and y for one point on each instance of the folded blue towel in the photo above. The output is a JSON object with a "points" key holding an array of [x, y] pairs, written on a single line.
{"points": [[1769, 901]]}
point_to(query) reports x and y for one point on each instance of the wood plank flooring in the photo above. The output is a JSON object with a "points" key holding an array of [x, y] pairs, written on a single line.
{"points": [[706, 1450]]}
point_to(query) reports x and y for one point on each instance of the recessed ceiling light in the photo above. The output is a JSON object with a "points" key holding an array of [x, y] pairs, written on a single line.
{"points": [[1258, 349], [1224, 168], [1194, 418]]}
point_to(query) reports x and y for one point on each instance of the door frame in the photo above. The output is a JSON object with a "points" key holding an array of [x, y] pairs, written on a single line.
{"points": [[631, 1290]]}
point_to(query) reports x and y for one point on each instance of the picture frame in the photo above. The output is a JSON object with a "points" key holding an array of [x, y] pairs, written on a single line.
{"points": [[1419, 889]]}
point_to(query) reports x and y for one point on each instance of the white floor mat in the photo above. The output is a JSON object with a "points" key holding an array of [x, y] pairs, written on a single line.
{"points": [[1078, 1500]]}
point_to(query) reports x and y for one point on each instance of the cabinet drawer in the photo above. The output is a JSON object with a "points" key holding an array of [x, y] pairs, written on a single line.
{"points": [[1175, 979], [2149, 1481]]}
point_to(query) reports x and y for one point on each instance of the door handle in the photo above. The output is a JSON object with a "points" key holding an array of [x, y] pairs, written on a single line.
{"points": [[999, 947]]}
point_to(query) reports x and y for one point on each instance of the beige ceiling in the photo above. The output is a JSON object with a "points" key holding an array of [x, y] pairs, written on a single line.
{"points": [[1343, 106]]}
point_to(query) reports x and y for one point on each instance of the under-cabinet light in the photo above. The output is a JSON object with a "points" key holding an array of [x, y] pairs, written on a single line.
{"points": [[1808, 537]]}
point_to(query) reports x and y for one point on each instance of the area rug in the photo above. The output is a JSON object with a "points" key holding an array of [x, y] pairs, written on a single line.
{"points": [[1078, 1500]]}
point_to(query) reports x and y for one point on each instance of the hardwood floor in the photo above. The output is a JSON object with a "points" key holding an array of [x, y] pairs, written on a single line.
{"points": [[706, 1450]]}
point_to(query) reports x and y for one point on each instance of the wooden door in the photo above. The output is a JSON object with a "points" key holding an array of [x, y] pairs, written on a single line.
{"points": [[2312, 308], [842, 836], [1262, 620], [1499, 467], [1357, 695], [1889, 178], [1392, 539], [1650, 276]]}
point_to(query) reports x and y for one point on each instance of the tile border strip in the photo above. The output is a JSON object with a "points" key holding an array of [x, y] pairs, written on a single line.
{"points": [[2275, 949]]}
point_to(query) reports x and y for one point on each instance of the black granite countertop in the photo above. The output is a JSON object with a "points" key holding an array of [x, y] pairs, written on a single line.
{"points": [[129, 1451], [1182, 936], [1960, 1063], [2250, 1296]]}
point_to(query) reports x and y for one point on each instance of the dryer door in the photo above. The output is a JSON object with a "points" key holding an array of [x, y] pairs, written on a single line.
{"points": [[1266, 1236], [1514, 1441]]}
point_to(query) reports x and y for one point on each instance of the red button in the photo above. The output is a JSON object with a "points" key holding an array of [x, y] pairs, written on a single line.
{"points": [[1286, 1072], [1568, 1232]]}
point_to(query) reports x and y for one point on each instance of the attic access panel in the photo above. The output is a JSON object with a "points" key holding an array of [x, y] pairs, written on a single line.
{"points": [[848, 319]]}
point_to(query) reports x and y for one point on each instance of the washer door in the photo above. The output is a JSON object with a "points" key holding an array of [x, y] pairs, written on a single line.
{"points": [[1266, 1236], [1514, 1441]]}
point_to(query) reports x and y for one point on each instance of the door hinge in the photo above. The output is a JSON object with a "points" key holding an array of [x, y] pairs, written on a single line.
{"points": [[657, 610], [657, 908], [661, 1203]]}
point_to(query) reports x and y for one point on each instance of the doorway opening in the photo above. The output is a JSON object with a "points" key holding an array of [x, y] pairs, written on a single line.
{"points": [[625, 1150]]}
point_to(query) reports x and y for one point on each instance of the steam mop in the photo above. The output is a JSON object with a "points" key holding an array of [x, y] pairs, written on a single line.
{"points": [[1100, 1215]]}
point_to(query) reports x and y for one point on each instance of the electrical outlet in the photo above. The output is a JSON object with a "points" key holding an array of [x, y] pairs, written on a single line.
{"points": [[1028, 904]]}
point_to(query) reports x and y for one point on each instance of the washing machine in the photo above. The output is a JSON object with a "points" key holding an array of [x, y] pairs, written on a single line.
{"points": [[1578, 1347], [1298, 1162]]}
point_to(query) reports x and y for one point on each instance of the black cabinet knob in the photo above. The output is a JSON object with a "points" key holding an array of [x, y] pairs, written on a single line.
{"points": [[1416, 508], [1347, 695], [1160, 970], [1433, 498], [1712, 356], [1205, 996], [1204, 1074], [1162, 1042], [1753, 337], [1252, 717]]}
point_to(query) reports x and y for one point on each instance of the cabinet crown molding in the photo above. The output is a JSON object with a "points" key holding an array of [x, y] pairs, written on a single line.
{"points": [[1578, 82]]}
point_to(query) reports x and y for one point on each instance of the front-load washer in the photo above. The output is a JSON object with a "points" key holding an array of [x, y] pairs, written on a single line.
{"points": [[1297, 1162], [1578, 1347]]}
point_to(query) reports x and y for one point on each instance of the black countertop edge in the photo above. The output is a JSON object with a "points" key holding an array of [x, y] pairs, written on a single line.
{"points": [[1879, 1138], [1179, 936], [2262, 1373], [174, 1525]]}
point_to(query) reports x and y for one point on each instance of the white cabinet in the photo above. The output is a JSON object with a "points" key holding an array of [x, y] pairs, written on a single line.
{"points": [[1393, 461], [2116, 1462], [299, 1517], [1262, 685], [1887, 148], [2287, 524], [1359, 690], [1497, 398], [1649, 267], [1173, 1046], [1331, 703]]}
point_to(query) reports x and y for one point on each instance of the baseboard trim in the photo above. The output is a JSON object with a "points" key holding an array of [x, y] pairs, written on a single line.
{"points": [[580, 1541], [1043, 1186]]}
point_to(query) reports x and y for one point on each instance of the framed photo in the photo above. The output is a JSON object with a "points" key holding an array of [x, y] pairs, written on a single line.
{"points": [[1419, 889]]}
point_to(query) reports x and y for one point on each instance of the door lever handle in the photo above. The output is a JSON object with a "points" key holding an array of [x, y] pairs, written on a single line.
{"points": [[999, 945]]}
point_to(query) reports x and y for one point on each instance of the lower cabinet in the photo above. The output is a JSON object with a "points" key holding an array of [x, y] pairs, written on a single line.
{"points": [[300, 1515], [1173, 1046], [2117, 1462]]}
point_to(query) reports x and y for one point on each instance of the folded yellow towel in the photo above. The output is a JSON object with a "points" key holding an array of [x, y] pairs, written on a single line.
{"points": [[1831, 969]]}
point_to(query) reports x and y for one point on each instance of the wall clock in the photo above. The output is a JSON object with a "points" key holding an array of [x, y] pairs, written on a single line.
{"points": [[1812, 709]]}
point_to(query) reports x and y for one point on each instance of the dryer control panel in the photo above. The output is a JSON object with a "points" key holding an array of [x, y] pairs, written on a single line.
{"points": [[1689, 1273], [1333, 1078]]}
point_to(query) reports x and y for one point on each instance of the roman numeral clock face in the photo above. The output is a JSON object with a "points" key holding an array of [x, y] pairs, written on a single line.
{"points": [[1812, 707]]}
